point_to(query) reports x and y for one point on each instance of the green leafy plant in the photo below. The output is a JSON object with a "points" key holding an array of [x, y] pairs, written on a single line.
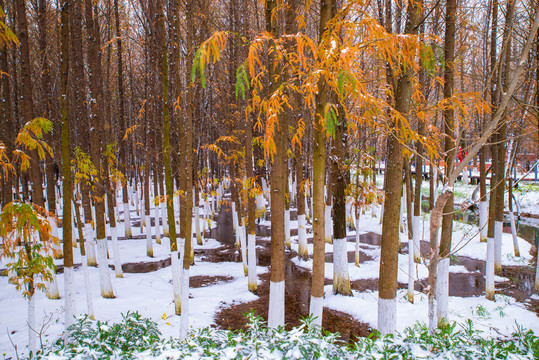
{"points": [[136, 338]]}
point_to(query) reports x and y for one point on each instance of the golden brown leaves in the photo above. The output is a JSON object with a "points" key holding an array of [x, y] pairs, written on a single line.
{"points": [[27, 246]]}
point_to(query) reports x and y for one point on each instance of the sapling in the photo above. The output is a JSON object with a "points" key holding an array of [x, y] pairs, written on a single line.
{"points": [[27, 253]]}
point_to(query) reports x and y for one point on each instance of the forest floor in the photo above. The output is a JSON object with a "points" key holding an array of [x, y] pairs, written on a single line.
{"points": [[219, 295]]}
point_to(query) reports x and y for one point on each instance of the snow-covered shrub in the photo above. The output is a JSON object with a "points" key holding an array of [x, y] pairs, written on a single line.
{"points": [[138, 338]]}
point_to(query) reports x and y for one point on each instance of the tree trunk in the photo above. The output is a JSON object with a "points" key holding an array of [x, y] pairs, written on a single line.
{"points": [[122, 160], [393, 191], [442, 284], [6, 117], [278, 184], [319, 160], [251, 210], [300, 196], [66, 171], [47, 102], [166, 156], [341, 278], [28, 99], [96, 92]]}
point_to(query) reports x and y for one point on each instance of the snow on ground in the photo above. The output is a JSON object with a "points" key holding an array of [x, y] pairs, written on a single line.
{"points": [[151, 293], [494, 317]]}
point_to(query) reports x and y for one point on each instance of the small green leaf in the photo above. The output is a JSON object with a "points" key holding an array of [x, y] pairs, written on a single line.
{"points": [[195, 66]]}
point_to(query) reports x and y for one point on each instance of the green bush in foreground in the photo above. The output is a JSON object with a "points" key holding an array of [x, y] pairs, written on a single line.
{"points": [[139, 338]]}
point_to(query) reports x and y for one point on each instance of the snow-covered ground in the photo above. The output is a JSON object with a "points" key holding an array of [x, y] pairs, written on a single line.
{"points": [[495, 318], [151, 293]]}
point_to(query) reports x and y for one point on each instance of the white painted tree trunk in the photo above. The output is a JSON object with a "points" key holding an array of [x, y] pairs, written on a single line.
{"points": [[489, 270], [411, 270], [157, 217], [89, 236], [435, 180], [514, 234], [69, 283], [260, 206], [307, 210], [483, 220], [197, 225], [88, 287], [498, 233], [265, 189], [432, 305], [243, 245], [416, 239], [52, 288], [357, 243], [328, 226], [176, 290], [303, 250], [234, 218], [387, 316], [402, 217], [316, 309], [442, 292], [56, 249], [465, 177], [276, 304], [206, 213], [238, 237], [32, 325], [127, 221], [341, 277], [164, 219], [94, 217], [104, 277], [116, 252], [291, 189], [139, 202], [149, 242], [251, 263], [287, 242], [184, 318]]}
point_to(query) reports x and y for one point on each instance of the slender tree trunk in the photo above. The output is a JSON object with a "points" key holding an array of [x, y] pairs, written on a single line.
{"points": [[341, 278], [47, 101], [251, 210], [28, 99], [483, 204], [442, 280], [393, 191], [300, 196], [66, 171], [187, 231], [319, 160], [96, 91], [122, 163], [84, 260], [166, 156], [278, 184], [500, 189], [6, 117]]}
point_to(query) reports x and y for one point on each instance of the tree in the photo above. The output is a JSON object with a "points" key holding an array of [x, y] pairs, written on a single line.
{"points": [[27, 247], [393, 186], [67, 236], [96, 121], [278, 183]]}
